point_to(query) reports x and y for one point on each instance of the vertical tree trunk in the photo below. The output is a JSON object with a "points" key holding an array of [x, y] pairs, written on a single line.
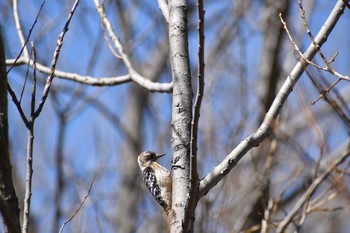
{"points": [[128, 196], [181, 115], [8, 198]]}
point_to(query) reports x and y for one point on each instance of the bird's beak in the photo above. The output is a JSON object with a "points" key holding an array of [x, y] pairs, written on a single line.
{"points": [[160, 155]]}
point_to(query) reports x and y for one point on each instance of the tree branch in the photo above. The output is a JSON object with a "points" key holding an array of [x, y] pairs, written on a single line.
{"points": [[134, 75], [311, 189], [34, 113], [221, 170], [54, 61], [164, 8], [19, 29], [29, 174], [79, 208], [20, 34], [101, 81], [196, 111]]}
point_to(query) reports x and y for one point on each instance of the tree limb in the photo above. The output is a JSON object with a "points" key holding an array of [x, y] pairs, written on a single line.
{"points": [[221, 170], [164, 8], [196, 111], [101, 81], [134, 75], [56, 54], [311, 189]]}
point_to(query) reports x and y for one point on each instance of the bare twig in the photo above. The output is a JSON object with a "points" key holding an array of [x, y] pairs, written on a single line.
{"points": [[79, 208], [29, 174], [315, 206], [308, 31], [197, 105], [107, 39], [19, 29], [267, 213], [328, 67], [296, 48], [54, 61], [110, 46], [311, 189], [32, 106], [20, 33], [326, 91], [135, 76], [338, 108], [25, 81], [221, 170], [200, 86], [18, 105]]}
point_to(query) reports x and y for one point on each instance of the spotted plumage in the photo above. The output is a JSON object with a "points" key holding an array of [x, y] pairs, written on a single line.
{"points": [[156, 178]]}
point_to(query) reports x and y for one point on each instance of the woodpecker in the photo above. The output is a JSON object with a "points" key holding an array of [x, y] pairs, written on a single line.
{"points": [[156, 177]]}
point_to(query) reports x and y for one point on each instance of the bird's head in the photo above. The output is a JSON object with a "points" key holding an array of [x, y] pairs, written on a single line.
{"points": [[147, 157]]}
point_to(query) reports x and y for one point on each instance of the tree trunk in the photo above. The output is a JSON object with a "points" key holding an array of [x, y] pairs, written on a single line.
{"points": [[181, 116], [8, 198]]}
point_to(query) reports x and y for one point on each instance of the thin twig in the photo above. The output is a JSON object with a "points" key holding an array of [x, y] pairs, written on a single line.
{"points": [[107, 39], [29, 174], [19, 29], [325, 91], [20, 33], [311, 189], [197, 104], [135, 76], [18, 105], [296, 48], [328, 67], [308, 31], [25, 81], [54, 61], [336, 107], [78, 209], [200, 86], [32, 107]]}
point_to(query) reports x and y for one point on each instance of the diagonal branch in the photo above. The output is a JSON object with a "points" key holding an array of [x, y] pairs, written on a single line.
{"points": [[19, 29], [20, 33], [311, 189], [164, 8], [134, 75], [221, 170], [54, 61], [79, 208]]}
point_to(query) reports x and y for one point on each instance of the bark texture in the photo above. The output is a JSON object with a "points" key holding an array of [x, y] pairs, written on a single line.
{"points": [[181, 114], [8, 198]]}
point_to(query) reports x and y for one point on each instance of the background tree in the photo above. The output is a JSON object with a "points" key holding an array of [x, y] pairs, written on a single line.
{"points": [[111, 99]]}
